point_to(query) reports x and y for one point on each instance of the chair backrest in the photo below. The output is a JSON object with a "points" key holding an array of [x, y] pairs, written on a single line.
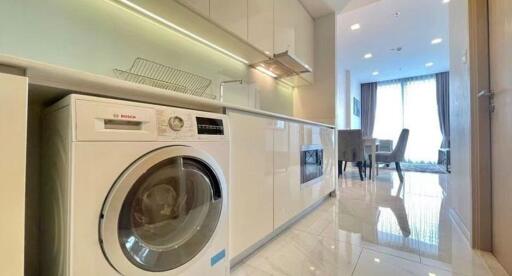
{"points": [[401, 145], [385, 145], [350, 145]]}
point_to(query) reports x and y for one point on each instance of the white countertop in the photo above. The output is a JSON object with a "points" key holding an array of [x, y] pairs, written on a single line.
{"points": [[83, 82]]}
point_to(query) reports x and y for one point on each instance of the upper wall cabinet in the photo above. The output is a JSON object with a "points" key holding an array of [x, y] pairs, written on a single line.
{"points": [[200, 6], [260, 28], [231, 15], [294, 30], [285, 13]]}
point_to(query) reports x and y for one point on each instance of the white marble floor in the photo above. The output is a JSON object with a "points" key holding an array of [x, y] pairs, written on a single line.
{"points": [[375, 228]]}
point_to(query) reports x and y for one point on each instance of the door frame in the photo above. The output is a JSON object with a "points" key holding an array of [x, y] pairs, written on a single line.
{"points": [[481, 174]]}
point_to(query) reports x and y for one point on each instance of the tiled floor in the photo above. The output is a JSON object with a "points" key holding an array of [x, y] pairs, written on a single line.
{"points": [[375, 228]]}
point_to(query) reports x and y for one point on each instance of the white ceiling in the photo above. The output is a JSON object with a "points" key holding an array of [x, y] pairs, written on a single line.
{"points": [[419, 22]]}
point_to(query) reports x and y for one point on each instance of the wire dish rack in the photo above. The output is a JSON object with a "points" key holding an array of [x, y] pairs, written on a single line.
{"points": [[147, 72]]}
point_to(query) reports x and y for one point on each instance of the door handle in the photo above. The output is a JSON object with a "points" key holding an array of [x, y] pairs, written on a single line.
{"points": [[485, 93]]}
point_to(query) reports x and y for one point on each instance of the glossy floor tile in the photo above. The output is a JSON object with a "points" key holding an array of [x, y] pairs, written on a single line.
{"points": [[380, 227]]}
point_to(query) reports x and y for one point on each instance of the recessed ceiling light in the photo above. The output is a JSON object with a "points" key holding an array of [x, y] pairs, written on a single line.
{"points": [[446, 1], [375, 73], [436, 41], [355, 27], [369, 55], [377, 260], [429, 64]]}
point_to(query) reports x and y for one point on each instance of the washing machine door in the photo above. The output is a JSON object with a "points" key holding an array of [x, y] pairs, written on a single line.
{"points": [[162, 211]]}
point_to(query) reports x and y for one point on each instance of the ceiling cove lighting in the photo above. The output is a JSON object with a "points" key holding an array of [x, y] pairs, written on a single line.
{"points": [[133, 7], [355, 27], [436, 41], [429, 64], [266, 71], [368, 56]]}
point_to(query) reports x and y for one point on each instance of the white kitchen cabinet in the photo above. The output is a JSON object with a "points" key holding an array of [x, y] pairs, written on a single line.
{"points": [[304, 48], [13, 134], [304, 42], [294, 32], [312, 192], [200, 6], [285, 31], [260, 24], [231, 15], [287, 192], [251, 190]]}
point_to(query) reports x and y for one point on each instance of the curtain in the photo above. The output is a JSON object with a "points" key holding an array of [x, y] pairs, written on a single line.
{"points": [[389, 117], [443, 106], [410, 103], [420, 117], [368, 108]]}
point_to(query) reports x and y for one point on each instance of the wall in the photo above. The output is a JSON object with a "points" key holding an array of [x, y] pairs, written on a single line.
{"points": [[460, 114], [97, 36], [317, 102]]}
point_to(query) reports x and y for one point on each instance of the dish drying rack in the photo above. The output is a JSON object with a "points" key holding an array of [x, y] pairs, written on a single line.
{"points": [[147, 72]]}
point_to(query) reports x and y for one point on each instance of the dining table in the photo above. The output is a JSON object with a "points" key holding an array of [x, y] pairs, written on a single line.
{"points": [[372, 143]]}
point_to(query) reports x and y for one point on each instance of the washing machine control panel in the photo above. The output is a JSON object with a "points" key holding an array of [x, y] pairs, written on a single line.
{"points": [[174, 123]]}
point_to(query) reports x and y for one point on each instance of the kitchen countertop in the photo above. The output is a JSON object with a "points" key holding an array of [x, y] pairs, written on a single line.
{"points": [[47, 75]]}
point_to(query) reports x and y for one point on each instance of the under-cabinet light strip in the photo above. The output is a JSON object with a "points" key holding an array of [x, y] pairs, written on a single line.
{"points": [[266, 71], [175, 27]]}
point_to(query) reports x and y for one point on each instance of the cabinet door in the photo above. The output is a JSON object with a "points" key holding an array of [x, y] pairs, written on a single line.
{"points": [[287, 195], [251, 189], [260, 29], [315, 135], [285, 13], [200, 6], [304, 48], [13, 134], [231, 15]]}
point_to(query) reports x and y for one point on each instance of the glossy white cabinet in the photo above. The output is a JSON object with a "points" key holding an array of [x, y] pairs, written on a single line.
{"points": [[251, 190], [231, 15], [290, 196], [294, 32], [13, 134], [287, 192], [260, 28], [200, 6], [285, 31]]}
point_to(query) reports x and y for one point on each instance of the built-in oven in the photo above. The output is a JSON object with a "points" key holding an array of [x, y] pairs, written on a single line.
{"points": [[311, 163]]}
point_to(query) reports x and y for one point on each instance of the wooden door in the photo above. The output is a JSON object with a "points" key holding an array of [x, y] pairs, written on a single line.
{"points": [[500, 26]]}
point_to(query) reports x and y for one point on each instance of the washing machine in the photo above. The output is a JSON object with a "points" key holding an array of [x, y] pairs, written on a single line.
{"points": [[133, 189]]}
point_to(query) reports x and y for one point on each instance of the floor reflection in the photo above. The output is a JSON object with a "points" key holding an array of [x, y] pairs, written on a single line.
{"points": [[374, 228], [409, 215]]}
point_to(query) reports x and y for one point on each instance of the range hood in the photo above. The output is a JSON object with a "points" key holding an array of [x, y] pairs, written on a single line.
{"points": [[282, 65]]}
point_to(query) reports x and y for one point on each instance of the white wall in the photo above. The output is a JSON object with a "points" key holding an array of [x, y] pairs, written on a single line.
{"points": [[317, 102], [460, 114], [97, 36]]}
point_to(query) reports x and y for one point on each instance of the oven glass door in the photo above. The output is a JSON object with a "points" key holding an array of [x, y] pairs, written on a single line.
{"points": [[311, 163]]}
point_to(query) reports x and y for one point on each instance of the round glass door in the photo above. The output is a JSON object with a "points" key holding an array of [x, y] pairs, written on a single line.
{"points": [[169, 213]]}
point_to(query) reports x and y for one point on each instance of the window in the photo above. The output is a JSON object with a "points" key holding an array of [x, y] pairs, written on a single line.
{"points": [[411, 104]]}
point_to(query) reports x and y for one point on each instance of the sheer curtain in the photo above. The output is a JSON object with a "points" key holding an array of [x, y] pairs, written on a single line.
{"points": [[421, 118], [412, 104]]}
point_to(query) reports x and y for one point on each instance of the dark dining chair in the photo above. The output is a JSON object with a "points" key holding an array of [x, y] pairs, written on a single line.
{"points": [[397, 155], [351, 149]]}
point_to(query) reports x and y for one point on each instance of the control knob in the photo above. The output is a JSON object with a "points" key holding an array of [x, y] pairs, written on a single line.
{"points": [[176, 123]]}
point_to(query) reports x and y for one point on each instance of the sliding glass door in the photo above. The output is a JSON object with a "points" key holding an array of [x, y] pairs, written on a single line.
{"points": [[410, 104]]}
